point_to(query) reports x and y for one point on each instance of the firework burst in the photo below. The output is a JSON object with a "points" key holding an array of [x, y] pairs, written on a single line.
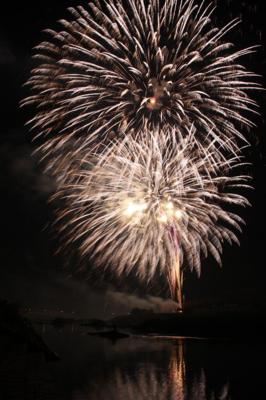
{"points": [[150, 206], [132, 65]]}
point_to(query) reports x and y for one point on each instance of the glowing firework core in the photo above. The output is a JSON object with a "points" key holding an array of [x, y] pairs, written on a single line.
{"points": [[164, 211], [135, 209], [152, 103], [168, 213]]}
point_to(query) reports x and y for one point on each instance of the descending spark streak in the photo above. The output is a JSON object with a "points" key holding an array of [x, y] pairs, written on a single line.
{"points": [[151, 206], [134, 65]]}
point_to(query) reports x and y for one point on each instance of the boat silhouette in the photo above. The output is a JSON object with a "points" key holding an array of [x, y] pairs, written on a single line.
{"points": [[112, 334]]}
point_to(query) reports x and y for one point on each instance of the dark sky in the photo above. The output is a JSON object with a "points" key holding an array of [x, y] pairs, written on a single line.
{"points": [[29, 272]]}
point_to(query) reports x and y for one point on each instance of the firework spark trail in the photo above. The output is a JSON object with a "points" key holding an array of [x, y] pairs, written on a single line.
{"points": [[151, 205], [131, 66]]}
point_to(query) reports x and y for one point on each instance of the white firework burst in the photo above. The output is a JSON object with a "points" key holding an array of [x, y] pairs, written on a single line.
{"points": [[126, 66], [152, 206]]}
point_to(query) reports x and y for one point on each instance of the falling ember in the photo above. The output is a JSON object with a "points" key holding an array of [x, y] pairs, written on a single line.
{"points": [[175, 271]]}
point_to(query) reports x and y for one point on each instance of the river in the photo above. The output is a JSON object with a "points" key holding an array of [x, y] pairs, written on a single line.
{"points": [[134, 368]]}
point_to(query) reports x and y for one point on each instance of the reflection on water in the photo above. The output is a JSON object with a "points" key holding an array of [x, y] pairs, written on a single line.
{"points": [[93, 368], [156, 380], [151, 381]]}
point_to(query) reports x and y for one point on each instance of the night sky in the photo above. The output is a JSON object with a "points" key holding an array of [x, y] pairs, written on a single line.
{"points": [[30, 273]]}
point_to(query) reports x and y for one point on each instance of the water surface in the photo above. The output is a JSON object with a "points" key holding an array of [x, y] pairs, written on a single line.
{"points": [[137, 368]]}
